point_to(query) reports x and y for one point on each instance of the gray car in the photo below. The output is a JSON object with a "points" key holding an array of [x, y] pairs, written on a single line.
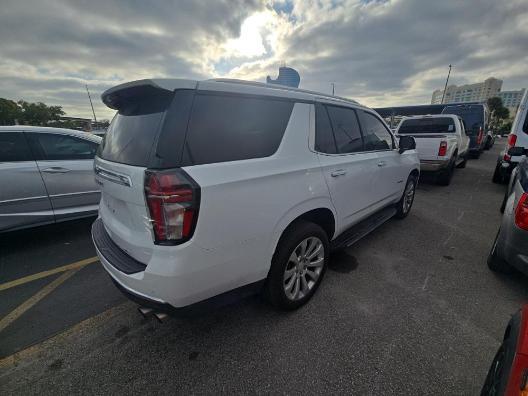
{"points": [[46, 176], [510, 248]]}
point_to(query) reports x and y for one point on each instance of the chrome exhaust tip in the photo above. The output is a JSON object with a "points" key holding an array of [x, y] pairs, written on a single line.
{"points": [[145, 312], [160, 316]]}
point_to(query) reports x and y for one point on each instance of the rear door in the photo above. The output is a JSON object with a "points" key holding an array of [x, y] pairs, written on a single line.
{"points": [[66, 164], [349, 171], [391, 171], [23, 197]]}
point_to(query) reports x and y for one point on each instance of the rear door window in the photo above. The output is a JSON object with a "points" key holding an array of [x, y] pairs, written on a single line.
{"points": [[346, 129], [230, 128], [14, 147], [47, 146], [375, 134]]}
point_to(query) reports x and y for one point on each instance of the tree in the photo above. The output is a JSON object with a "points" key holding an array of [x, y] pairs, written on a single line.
{"points": [[9, 112], [499, 113], [39, 113]]}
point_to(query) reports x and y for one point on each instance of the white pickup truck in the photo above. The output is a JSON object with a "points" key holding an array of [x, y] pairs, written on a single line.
{"points": [[441, 142]]}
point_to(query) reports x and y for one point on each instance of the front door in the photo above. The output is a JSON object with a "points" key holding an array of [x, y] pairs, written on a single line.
{"points": [[23, 197]]}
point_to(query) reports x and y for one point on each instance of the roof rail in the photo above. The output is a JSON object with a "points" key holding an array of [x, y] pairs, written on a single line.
{"points": [[282, 88]]}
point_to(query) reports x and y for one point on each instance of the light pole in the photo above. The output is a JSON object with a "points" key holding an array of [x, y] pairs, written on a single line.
{"points": [[447, 80], [91, 104], [333, 88]]}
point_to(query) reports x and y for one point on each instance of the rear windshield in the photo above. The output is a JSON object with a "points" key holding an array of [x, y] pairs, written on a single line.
{"points": [[133, 131], [427, 125], [186, 129], [473, 117]]}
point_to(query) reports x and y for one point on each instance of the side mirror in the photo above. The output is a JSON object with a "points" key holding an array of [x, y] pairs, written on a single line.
{"points": [[407, 143], [517, 151]]}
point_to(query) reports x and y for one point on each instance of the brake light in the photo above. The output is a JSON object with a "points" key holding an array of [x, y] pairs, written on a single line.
{"points": [[173, 199], [480, 135], [442, 150], [521, 212]]}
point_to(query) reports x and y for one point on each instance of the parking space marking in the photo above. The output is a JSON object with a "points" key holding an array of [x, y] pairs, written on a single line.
{"points": [[18, 311], [44, 274]]}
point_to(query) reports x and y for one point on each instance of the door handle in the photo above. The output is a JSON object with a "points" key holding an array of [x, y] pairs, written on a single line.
{"points": [[337, 173], [56, 169], [381, 163]]}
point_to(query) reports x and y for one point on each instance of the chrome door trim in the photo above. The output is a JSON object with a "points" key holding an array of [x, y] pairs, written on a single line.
{"points": [[22, 199], [75, 193], [112, 176]]}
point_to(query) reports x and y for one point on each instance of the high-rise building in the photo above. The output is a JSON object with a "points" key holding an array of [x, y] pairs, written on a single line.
{"points": [[287, 76], [511, 99], [479, 92]]}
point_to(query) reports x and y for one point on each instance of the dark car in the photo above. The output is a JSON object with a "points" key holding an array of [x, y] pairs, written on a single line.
{"points": [[510, 248], [508, 374], [475, 117]]}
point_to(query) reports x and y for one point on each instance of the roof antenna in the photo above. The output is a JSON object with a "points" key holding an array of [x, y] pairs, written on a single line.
{"points": [[333, 89]]}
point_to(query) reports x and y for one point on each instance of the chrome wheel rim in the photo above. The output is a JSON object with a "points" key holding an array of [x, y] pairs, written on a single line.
{"points": [[303, 268], [408, 196]]}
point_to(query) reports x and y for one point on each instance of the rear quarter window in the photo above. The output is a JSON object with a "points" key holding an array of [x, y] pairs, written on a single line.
{"points": [[230, 128]]}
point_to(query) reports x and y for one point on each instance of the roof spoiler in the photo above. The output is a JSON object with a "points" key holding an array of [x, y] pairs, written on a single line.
{"points": [[116, 96]]}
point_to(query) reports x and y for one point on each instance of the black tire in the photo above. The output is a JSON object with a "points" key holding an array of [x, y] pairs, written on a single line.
{"points": [[487, 146], [444, 177], [495, 262], [504, 200], [477, 154], [402, 211], [463, 164], [290, 240], [498, 177]]}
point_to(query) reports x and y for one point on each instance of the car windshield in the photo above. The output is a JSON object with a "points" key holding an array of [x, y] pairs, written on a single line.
{"points": [[427, 125]]}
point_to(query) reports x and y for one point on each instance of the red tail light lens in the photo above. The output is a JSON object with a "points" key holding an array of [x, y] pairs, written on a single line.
{"points": [[173, 199], [442, 150], [480, 135], [521, 212]]}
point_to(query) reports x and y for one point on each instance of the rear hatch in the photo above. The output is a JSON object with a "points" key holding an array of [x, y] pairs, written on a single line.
{"points": [[474, 120], [428, 132], [132, 145]]}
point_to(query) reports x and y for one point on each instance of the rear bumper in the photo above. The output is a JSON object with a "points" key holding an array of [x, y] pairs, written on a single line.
{"points": [[433, 165], [175, 276]]}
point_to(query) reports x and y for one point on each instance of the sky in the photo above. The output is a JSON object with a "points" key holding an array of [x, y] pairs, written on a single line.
{"points": [[380, 53]]}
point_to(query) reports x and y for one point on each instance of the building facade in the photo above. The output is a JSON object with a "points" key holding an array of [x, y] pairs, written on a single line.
{"points": [[512, 99], [479, 92]]}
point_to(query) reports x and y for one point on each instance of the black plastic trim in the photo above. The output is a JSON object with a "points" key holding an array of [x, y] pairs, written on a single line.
{"points": [[113, 253]]}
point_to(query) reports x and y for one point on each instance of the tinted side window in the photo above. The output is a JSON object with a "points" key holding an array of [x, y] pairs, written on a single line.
{"points": [[324, 137], [525, 125], [231, 128], [376, 135], [346, 129], [13, 147], [47, 146]]}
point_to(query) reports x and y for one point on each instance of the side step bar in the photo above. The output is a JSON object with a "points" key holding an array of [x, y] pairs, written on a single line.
{"points": [[364, 227]]}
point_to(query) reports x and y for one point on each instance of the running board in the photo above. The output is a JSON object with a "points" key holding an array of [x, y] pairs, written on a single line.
{"points": [[363, 228]]}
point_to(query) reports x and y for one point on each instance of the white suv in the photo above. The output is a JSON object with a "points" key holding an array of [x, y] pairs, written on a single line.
{"points": [[220, 187]]}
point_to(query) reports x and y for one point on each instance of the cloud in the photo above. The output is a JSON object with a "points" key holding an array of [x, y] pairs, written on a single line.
{"points": [[379, 52]]}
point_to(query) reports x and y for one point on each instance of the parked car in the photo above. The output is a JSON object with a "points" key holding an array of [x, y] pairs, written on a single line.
{"points": [[490, 140], [46, 176], [508, 373], [476, 118], [223, 187], [518, 137], [441, 142], [510, 248]]}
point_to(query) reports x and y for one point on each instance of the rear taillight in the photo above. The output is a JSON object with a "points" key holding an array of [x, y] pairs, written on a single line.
{"points": [[521, 212], [512, 139], [173, 199], [442, 150], [480, 135]]}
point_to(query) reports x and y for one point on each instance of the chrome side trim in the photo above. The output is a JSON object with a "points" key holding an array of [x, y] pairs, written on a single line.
{"points": [[75, 193], [23, 199], [112, 176]]}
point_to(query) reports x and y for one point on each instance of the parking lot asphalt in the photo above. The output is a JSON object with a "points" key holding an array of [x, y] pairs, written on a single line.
{"points": [[410, 309]]}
